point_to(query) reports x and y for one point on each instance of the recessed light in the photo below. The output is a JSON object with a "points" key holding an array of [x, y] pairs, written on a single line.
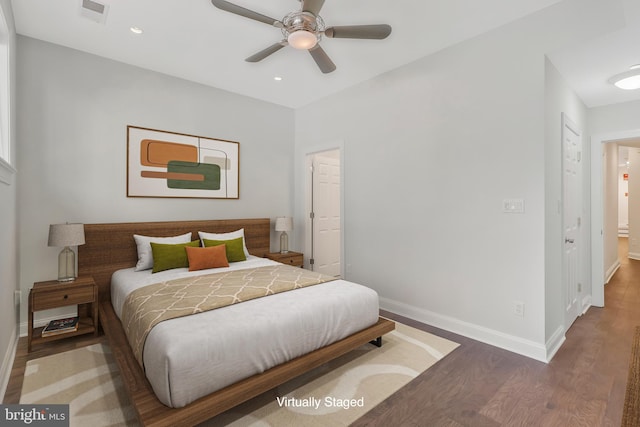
{"points": [[136, 30], [277, 78]]}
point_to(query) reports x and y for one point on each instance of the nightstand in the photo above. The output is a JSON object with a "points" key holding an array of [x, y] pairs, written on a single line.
{"points": [[291, 258], [82, 292]]}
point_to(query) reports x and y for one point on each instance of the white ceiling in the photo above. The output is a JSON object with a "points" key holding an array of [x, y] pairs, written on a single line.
{"points": [[194, 40], [588, 66]]}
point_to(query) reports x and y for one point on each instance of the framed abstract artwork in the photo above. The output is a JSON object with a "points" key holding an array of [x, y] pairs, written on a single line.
{"points": [[168, 164]]}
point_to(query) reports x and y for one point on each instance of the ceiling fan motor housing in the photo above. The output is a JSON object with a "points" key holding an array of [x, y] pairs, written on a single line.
{"points": [[303, 21]]}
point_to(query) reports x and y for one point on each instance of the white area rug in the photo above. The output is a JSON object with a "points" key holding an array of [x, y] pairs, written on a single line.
{"points": [[335, 394]]}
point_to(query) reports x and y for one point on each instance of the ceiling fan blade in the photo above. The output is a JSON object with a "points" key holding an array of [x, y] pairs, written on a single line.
{"points": [[257, 57], [312, 6], [239, 10], [381, 31], [325, 63]]}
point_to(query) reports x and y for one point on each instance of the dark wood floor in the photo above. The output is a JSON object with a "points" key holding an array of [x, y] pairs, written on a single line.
{"points": [[479, 385]]}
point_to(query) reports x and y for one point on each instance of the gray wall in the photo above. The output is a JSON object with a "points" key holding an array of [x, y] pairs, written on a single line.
{"points": [[73, 111], [614, 118]]}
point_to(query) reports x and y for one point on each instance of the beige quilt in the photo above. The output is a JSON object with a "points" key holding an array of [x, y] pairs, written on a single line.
{"points": [[147, 306]]}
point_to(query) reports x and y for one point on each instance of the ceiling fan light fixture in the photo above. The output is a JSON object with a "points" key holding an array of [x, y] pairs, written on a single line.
{"points": [[629, 80], [302, 39]]}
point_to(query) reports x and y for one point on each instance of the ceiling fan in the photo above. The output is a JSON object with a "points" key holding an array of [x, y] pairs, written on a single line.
{"points": [[303, 30]]}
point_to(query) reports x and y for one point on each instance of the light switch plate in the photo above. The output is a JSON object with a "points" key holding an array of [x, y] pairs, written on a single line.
{"points": [[513, 206]]}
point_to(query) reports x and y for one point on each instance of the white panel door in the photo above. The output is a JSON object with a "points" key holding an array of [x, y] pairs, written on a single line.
{"points": [[326, 215], [572, 200]]}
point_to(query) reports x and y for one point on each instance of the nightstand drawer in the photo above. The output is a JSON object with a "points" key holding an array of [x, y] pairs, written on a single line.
{"points": [[291, 260], [61, 297]]}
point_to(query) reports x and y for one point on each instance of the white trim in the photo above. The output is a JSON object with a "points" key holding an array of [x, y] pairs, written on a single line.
{"points": [[6, 97], [634, 255], [586, 303], [554, 343], [6, 172], [7, 364], [597, 217], [612, 270], [512, 343]]}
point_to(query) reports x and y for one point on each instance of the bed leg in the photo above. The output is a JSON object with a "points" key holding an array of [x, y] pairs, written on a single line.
{"points": [[377, 342]]}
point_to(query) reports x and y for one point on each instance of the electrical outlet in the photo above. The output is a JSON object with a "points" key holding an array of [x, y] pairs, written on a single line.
{"points": [[518, 308]]}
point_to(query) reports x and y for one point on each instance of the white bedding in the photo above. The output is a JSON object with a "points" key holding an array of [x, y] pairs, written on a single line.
{"points": [[190, 357]]}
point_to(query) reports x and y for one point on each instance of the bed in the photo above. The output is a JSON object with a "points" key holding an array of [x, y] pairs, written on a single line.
{"points": [[110, 248]]}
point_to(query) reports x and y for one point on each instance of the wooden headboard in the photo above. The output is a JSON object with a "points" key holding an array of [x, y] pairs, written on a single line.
{"points": [[110, 247]]}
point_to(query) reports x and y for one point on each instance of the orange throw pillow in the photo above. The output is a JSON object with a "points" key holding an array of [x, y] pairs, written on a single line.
{"points": [[203, 258]]}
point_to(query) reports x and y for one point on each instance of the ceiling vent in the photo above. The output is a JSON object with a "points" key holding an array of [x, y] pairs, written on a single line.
{"points": [[97, 12]]}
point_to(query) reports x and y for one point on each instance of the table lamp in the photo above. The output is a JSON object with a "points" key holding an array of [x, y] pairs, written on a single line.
{"points": [[284, 224], [66, 235]]}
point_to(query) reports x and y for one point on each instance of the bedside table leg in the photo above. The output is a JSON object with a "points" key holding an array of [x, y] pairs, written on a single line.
{"points": [[29, 327], [96, 322]]}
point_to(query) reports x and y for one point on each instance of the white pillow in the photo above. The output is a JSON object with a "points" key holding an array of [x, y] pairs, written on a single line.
{"points": [[224, 236], [145, 256]]}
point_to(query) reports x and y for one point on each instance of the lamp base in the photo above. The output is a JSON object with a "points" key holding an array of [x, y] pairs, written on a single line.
{"points": [[284, 243], [66, 265]]}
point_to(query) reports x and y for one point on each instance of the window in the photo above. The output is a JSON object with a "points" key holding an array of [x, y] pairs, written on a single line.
{"points": [[6, 169]]}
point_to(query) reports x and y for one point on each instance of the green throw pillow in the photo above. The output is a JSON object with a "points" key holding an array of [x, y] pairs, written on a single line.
{"points": [[234, 247], [168, 256]]}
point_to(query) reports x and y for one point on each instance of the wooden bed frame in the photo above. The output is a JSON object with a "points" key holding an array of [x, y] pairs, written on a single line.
{"points": [[110, 247]]}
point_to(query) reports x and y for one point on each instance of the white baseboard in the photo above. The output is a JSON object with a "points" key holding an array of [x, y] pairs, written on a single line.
{"points": [[554, 343], [586, 303], [612, 270], [512, 343], [634, 255], [7, 364]]}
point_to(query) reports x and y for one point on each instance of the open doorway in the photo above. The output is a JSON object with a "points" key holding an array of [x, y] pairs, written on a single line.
{"points": [[623, 193], [621, 189], [629, 195], [323, 225], [605, 206]]}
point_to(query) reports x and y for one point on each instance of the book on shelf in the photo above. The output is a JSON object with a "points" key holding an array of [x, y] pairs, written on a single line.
{"points": [[60, 326]]}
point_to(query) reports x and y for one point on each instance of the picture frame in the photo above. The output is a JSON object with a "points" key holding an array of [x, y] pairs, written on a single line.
{"points": [[178, 165]]}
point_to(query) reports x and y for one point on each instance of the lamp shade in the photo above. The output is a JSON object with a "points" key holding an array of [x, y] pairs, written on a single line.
{"points": [[66, 234], [284, 223], [302, 39]]}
